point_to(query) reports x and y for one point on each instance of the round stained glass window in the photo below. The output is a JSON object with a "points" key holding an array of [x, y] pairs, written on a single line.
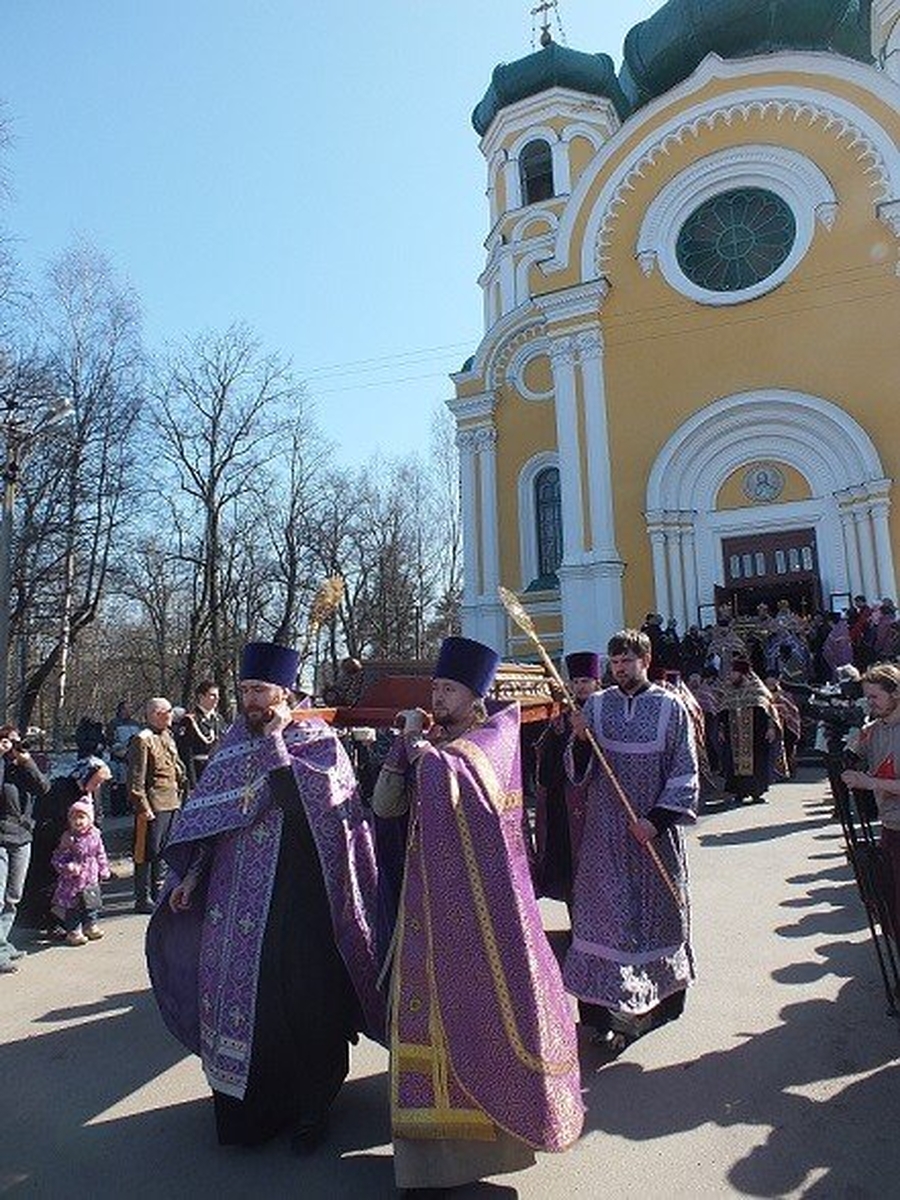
{"points": [[736, 239]]}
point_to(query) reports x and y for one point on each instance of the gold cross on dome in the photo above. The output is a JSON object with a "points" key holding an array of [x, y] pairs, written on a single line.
{"points": [[543, 10]]}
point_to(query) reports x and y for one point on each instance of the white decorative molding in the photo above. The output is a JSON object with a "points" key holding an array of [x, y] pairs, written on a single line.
{"points": [[534, 133], [547, 217], [815, 437], [558, 102], [870, 142], [889, 214], [517, 365], [539, 250], [477, 438], [575, 349], [575, 303], [470, 408], [509, 326], [885, 28], [826, 213], [511, 345], [789, 174], [595, 134], [854, 129]]}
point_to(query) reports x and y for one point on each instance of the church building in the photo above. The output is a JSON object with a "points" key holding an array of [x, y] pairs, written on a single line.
{"points": [[686, 391]]}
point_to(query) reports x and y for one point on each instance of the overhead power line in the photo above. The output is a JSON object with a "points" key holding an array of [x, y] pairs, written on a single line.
{"points": [[385, 362]]}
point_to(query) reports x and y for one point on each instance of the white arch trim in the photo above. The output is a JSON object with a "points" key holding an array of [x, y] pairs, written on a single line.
{"points": [[848, 505], [818, 438], [791, 175], [869, 137]]}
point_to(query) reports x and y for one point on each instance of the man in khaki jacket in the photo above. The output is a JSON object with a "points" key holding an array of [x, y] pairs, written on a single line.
{"points": [[155, 783]]}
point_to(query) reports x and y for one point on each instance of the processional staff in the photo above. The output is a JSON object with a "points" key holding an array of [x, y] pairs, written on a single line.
{"points": [[517, 613]]}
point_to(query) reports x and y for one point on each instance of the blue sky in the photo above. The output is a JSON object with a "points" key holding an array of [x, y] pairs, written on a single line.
{"points": [[308, 168]]}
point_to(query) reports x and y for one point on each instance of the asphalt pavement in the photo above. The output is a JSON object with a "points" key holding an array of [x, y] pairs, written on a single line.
{"points": [[781, 1079]]}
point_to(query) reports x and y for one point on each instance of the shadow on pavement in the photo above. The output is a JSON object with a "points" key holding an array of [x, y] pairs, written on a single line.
{"points": [[774, 1079], [75, 1125]]}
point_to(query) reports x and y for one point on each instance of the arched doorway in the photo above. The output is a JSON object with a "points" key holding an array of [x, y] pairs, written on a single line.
{"points": [[846, 508]]}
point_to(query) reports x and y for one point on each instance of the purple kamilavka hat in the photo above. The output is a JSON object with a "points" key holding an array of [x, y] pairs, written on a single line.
{"points": [[470, 663], [271, 663], [583, 664]]}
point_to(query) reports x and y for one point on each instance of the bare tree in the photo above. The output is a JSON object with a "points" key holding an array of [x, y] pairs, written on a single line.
{"points": [[76, 491], [220, 412], [285, 513], [445, 524]]}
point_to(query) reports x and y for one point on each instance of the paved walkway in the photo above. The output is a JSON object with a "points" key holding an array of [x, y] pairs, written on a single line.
{"points": [[782, 1078]]}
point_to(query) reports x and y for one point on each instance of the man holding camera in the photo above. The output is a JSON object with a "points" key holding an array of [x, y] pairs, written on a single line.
{"points": [[879, 748], [20, 784]]}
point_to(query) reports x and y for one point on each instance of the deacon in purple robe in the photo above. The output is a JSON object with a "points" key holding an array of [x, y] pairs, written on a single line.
{"points": [[484, 1062], [261, 951], [631, 961]]}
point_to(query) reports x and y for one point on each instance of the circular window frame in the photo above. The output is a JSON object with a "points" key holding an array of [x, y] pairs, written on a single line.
{"points": [[789, 175], [515, 372]]}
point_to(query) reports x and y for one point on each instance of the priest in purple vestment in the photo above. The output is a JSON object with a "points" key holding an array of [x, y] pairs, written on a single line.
{"points": [[631, 961], [261, 951], [484, 1062]]}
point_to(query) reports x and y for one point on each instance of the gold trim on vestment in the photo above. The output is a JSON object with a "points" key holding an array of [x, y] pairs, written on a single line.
{"points": [[440, 1120], [743, 741], [469, 1124], [473, 754], [489, 941]]}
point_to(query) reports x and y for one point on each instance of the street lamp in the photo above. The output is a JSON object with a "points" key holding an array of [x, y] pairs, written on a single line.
{"points": [[18, 435]]}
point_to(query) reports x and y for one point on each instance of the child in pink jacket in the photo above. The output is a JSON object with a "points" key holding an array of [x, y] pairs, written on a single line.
{"points": [[80, 863]]}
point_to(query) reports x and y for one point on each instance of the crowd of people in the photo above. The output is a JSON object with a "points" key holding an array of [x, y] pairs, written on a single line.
{"points": [[52, 853], [799, 649], [290, 912]]}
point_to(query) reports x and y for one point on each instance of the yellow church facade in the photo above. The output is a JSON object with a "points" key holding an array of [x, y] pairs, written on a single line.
{"points": [[688, 388]]}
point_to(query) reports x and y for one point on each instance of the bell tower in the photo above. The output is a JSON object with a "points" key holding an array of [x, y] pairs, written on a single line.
{"points": [[542, 121]]}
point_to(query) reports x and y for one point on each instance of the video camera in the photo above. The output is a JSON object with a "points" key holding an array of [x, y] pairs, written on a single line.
{"points": [[837, 706]]}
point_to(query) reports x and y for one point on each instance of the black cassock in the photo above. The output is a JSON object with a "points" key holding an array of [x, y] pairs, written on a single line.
{"points": [[306, 1008]]}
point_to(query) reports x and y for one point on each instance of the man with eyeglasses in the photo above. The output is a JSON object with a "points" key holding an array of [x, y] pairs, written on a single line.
{"points": [[155, 785]]}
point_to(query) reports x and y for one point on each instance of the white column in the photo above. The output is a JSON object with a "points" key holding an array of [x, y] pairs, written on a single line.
{"points": [[562, 358], [590, 348], [884, 554], [851, 551], [513, 185], [590, 576], [657, 536], [486, 446], [866, 552], [482, 613], [466, 443], [689, 563], [507, 277], [676, 574], [562, 178]]}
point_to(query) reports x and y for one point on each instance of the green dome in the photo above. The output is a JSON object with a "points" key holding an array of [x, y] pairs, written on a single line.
{"points": [[668, 46], [552, 66]]}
